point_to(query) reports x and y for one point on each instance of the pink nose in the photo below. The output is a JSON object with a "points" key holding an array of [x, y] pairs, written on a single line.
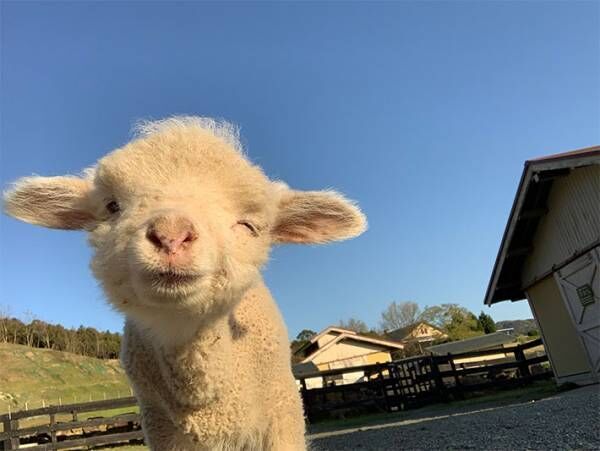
{"points": [[171, 234]]}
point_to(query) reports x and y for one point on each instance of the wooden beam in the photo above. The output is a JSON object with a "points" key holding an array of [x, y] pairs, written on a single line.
{"points": [[551, 174], [533, 213], [508, 286], [518, 251]]}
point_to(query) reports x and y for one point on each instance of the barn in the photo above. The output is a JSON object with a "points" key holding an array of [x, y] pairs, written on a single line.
{"points": [[550, 255], [335, 348]]}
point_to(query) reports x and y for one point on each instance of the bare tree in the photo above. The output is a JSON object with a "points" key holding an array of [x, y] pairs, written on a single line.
{"points": [[400, 314], [29, 327], [4, 319], [356, 325]]}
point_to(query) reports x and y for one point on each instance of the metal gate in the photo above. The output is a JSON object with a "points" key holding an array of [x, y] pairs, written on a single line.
{"points": [[580, 286]]}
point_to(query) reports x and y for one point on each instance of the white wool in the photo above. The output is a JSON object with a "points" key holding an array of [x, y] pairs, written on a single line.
{"points": [[220, 128]]}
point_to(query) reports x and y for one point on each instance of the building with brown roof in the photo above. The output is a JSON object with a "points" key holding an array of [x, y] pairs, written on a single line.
{"points": [[550, 254], [335, 348]]}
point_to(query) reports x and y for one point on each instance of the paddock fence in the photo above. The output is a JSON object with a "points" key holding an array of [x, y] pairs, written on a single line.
{"points": [[60, 427], [384, 387], [416, 381]]}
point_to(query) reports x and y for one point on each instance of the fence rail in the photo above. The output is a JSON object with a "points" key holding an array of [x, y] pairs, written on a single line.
{"points": [[54, 435], [416, 381]]}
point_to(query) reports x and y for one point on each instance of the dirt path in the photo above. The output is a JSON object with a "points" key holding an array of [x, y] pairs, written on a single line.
{"points": [[569, 420]]}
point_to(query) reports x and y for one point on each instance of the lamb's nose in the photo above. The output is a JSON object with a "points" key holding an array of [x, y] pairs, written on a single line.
{"points": [[171, 234]]}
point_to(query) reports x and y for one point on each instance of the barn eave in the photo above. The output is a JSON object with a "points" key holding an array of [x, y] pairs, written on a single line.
{"points": [[529, 207]]}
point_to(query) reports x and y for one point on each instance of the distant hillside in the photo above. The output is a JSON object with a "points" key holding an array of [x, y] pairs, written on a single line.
{"points": [[32, 375], [40, 334], [521, 326]]}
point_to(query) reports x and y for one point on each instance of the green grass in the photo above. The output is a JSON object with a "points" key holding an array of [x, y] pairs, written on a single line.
{"points": [[39, 377]]}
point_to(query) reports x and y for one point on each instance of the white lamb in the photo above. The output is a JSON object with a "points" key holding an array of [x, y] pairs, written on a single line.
{"points": [[181, 224]]}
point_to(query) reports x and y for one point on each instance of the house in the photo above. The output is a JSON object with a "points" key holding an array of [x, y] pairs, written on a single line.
{"points": [[421, 333], [550, 255], [500, 339], [335, 348]]}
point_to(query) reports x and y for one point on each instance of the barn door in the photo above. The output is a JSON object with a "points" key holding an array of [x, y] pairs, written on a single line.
{"points": [[580, 287]]}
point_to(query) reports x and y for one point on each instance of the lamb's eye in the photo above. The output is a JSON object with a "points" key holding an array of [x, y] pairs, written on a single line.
{"points": [[251, 227], [113, 207]]}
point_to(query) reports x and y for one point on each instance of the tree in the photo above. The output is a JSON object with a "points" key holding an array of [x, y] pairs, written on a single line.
{"points": [[439, 315], [463, 324], [356, 325], [458, 322], [4, 321], [487, 323], [301, 339], [305, 335], [400, 314], [29, 328]]}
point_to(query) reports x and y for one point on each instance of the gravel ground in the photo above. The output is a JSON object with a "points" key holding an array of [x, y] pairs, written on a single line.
{"points": [[569, 420]]}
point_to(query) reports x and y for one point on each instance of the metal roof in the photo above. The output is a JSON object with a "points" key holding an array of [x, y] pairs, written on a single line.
{"points": [[474, 344], [528, 208]]}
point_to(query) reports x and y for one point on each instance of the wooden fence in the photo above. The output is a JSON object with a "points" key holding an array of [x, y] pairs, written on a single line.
{"points": [[54, 434], [390, 386], [416, 381]]}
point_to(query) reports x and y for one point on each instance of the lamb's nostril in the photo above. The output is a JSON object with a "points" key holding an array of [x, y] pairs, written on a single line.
{"points": [[153, 237], [190, 236]]}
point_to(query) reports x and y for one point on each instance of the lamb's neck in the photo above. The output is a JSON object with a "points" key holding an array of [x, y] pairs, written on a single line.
{"points": [[175, 329], [194, 359]]}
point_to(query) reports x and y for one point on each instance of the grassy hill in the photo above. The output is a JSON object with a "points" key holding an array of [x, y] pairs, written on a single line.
{"points": [[521, 326], [42, 376]]}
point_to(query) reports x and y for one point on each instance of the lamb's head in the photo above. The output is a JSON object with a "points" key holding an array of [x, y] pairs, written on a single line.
{"points": [[179, 219]]}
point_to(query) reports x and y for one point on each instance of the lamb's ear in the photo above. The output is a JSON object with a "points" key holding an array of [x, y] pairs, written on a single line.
{"points": [[55, 202], [316, 217]]}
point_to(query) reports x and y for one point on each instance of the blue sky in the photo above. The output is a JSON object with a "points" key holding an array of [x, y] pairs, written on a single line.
{"points": [[422, 112]]}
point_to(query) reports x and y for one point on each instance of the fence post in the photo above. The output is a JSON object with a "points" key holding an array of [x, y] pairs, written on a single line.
{"points": [[9, 427], [439, 380], [383, 387], [523, 366], [459, 387], [52, 430]]}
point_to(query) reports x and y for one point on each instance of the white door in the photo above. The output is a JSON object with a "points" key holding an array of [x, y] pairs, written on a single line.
{"points": [[580, 286]]}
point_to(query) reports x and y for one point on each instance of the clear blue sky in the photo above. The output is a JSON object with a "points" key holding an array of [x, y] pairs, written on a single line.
{"points": [[423, 112]]}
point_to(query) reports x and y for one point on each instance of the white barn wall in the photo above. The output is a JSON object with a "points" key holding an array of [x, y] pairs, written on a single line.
{"points": [[572, 223]]}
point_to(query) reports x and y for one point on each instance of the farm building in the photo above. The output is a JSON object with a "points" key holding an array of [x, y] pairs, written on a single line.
{"points": [[550, 254], [420, 332], [335, 348]]}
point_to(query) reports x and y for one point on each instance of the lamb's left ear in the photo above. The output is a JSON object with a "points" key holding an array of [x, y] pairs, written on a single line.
{"points": [[316, 217], [55, 202]]}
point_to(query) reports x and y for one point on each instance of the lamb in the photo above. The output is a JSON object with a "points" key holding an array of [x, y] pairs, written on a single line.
{"points": [[181, 222]]}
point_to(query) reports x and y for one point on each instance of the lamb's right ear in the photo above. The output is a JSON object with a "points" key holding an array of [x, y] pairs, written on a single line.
{"points": [[55, 202]]}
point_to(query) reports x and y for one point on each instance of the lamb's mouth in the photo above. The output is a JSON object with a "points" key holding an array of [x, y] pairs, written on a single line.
{"points": [[172, 279]]}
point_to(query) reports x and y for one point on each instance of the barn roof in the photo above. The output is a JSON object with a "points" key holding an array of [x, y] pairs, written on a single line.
{"points": [[334, 330], [474, 344], [528, 208], [309, 352], [401, 333], [359, 339]]}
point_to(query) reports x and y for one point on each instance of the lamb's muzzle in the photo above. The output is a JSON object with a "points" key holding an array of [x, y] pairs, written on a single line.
{"points": [[171, 234]]}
